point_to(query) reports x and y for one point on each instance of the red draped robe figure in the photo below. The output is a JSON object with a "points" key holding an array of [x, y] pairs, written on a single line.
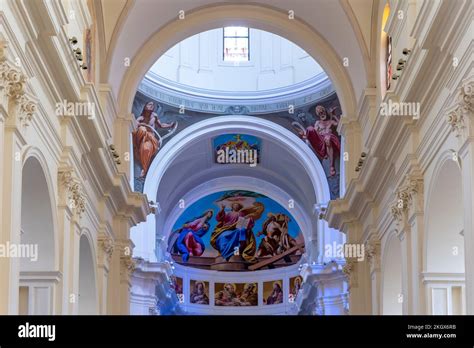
{"points": [[145, 142], [323, 139]]}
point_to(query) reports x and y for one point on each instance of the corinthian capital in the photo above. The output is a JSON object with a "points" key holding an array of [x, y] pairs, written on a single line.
{"points": [[106, 243], [349, 271], [13, 89], [372, 252], [409, 195], [75, 195], [127, 266], [463, 107]]}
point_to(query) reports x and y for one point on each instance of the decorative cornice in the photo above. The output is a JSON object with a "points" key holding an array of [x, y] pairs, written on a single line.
{"points": [[231, 103]]}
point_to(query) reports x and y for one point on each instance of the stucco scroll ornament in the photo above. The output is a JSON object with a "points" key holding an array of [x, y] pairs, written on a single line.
{"points": [[399, 208], [107, 245], [128, 264], [348, 270], [372, 252], [76, 198], [464, 108], [13, 85]]}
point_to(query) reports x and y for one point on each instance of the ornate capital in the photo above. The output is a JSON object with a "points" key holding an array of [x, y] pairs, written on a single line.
{"points": [[26, 107], [372, 252], [409, 195], [75, 195], [318, 306], [13, 89], [127, 266], [106, 244], [463, 108], [399, 209], [349, 271]]}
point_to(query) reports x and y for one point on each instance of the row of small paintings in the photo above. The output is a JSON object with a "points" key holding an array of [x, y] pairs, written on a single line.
{"points": [[237, 294]]}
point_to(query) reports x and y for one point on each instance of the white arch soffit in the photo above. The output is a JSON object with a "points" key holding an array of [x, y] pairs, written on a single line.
{"points": [[241, 124], [242, 183], [443, 158], [389, 244], [91, 245], [254, 16], [30, 152]]}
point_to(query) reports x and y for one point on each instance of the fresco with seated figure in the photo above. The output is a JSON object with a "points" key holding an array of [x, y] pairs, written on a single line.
{"points": [[236, 231], [236, 295], [199, 293], [273, 292]]}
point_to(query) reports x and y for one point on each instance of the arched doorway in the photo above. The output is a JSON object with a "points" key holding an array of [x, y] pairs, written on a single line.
{"points": [[87, 279], [37, 264], [444, 257], [392, 297]]}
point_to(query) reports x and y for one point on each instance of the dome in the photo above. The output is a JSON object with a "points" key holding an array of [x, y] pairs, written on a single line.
{"points": [[225, 66]]}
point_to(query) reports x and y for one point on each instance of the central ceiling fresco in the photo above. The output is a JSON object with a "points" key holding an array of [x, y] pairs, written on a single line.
{"points": [[236, 231]]}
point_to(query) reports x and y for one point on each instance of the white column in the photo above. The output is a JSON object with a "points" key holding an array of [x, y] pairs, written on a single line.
{"points": [[416, 223], [106, 249], [372, 251], [461, 120], [16, 110], [467, 158]]}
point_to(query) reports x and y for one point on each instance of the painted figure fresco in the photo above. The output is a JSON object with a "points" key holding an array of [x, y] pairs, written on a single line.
{"points": [[295, 286], [236, 230], [276, 239], [229, 294], [199, 292], [177, 286], [315, 123], [322, 136], [323, 139], [273, 292], [146, 139], [187, 239]]}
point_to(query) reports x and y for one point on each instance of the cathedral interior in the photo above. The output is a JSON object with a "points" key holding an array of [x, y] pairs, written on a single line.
{"points": [[271, 157]]}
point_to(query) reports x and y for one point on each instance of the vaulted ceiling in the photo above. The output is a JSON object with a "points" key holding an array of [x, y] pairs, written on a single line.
{"points": [[347, 25]]}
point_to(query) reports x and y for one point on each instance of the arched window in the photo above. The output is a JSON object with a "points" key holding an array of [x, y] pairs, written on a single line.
{"points": [[236, 44]]}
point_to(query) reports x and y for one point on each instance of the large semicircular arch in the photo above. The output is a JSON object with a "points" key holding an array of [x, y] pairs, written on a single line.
{"points": [[251, 15], [240, 183], [237, 124]]}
